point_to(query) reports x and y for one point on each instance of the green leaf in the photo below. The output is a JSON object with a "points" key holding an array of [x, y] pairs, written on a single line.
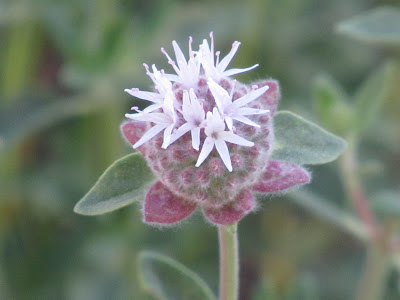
{"points": [[378, 26], [123, 183], [301, 142], [387, 203], [331, 105], [369, 97], [167, 279]]}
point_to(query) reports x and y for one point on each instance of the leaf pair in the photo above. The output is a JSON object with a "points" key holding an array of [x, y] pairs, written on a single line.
{"points": [[351, 118], [298, 141]]}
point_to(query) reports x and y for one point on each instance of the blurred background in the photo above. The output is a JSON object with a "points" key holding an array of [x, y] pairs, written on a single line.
{"points": [[63, 67]]}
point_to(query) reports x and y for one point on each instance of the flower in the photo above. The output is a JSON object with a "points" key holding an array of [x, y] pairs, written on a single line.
{"points": [[236, 110], [165, 120], [226, 158], [162, 84], [188, 72], [217, 136], [217, 70], [194, 115]]}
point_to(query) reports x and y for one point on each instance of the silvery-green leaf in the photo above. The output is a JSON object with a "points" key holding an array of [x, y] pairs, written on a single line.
{"points": [[302, 142], [379, 26], [123, 183], [167, 279]]}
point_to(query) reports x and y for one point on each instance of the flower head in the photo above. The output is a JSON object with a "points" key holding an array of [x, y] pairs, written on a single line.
{"points": [[208, 139]]}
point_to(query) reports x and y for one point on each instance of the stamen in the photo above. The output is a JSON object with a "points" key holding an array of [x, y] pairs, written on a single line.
{"points": [[190, 46], [170, 60], [212, 45], [217, 55]]}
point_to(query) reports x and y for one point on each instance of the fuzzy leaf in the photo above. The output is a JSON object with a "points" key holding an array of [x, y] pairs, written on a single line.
{"points": [[369, 97], [301, 142], [379, 26], [167, 279], [330, 104], [281, 175], [387, 203], [162, 207], [121, 184]]}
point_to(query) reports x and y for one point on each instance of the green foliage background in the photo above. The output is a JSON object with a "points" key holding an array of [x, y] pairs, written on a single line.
{"points": [[63, 67]]}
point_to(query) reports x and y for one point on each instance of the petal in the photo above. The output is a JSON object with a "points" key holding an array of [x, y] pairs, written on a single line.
{"points": [[281, 175], [152, 132], [271, 98], [180, 58], [232, 212], [223, 151], [251, 96], [221, 96], [245, 120], [149, 96], [167, 136], [227, 59], [179, 132], [235, 139], [205, 150], [247, 111], [195, 138], [132, 131], [235, 71], [161, 206]]}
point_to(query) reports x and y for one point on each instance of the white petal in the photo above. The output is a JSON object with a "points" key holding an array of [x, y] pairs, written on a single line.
{"points": [[149, 135], [235, 139], [245, 120], [195, 138], [186, 105], [253, 95], [152, 108], [180, 131], [158, 118], [167, 136], [149, 96], [173, 77], [223, 151], [231, 72], [221, 96], [227, 59], [205, 150], [246, 111], [229, 123], [180, 58]]}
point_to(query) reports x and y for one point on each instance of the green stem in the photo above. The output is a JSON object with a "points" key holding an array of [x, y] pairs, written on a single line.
{"points": [[355, 191], [229, 263], [373, 279]]}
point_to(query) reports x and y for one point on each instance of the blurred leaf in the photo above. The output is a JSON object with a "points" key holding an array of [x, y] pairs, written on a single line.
{"points": [[167, 279], [330, 104], [369, 97], [327, 211], [379, 26], [121, 184], [23, 118], [301, 142], [387, 202]]}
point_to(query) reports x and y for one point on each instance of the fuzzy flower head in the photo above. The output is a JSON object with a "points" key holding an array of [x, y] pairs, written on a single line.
{"points": [[207, 138]]}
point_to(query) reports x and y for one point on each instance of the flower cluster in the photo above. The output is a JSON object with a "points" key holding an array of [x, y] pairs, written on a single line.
{"points": [[207, 138]]}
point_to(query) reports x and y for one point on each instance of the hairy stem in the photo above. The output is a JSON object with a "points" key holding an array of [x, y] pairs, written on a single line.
{"points": [[229, 263], [373, 279], [355, 191]]}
